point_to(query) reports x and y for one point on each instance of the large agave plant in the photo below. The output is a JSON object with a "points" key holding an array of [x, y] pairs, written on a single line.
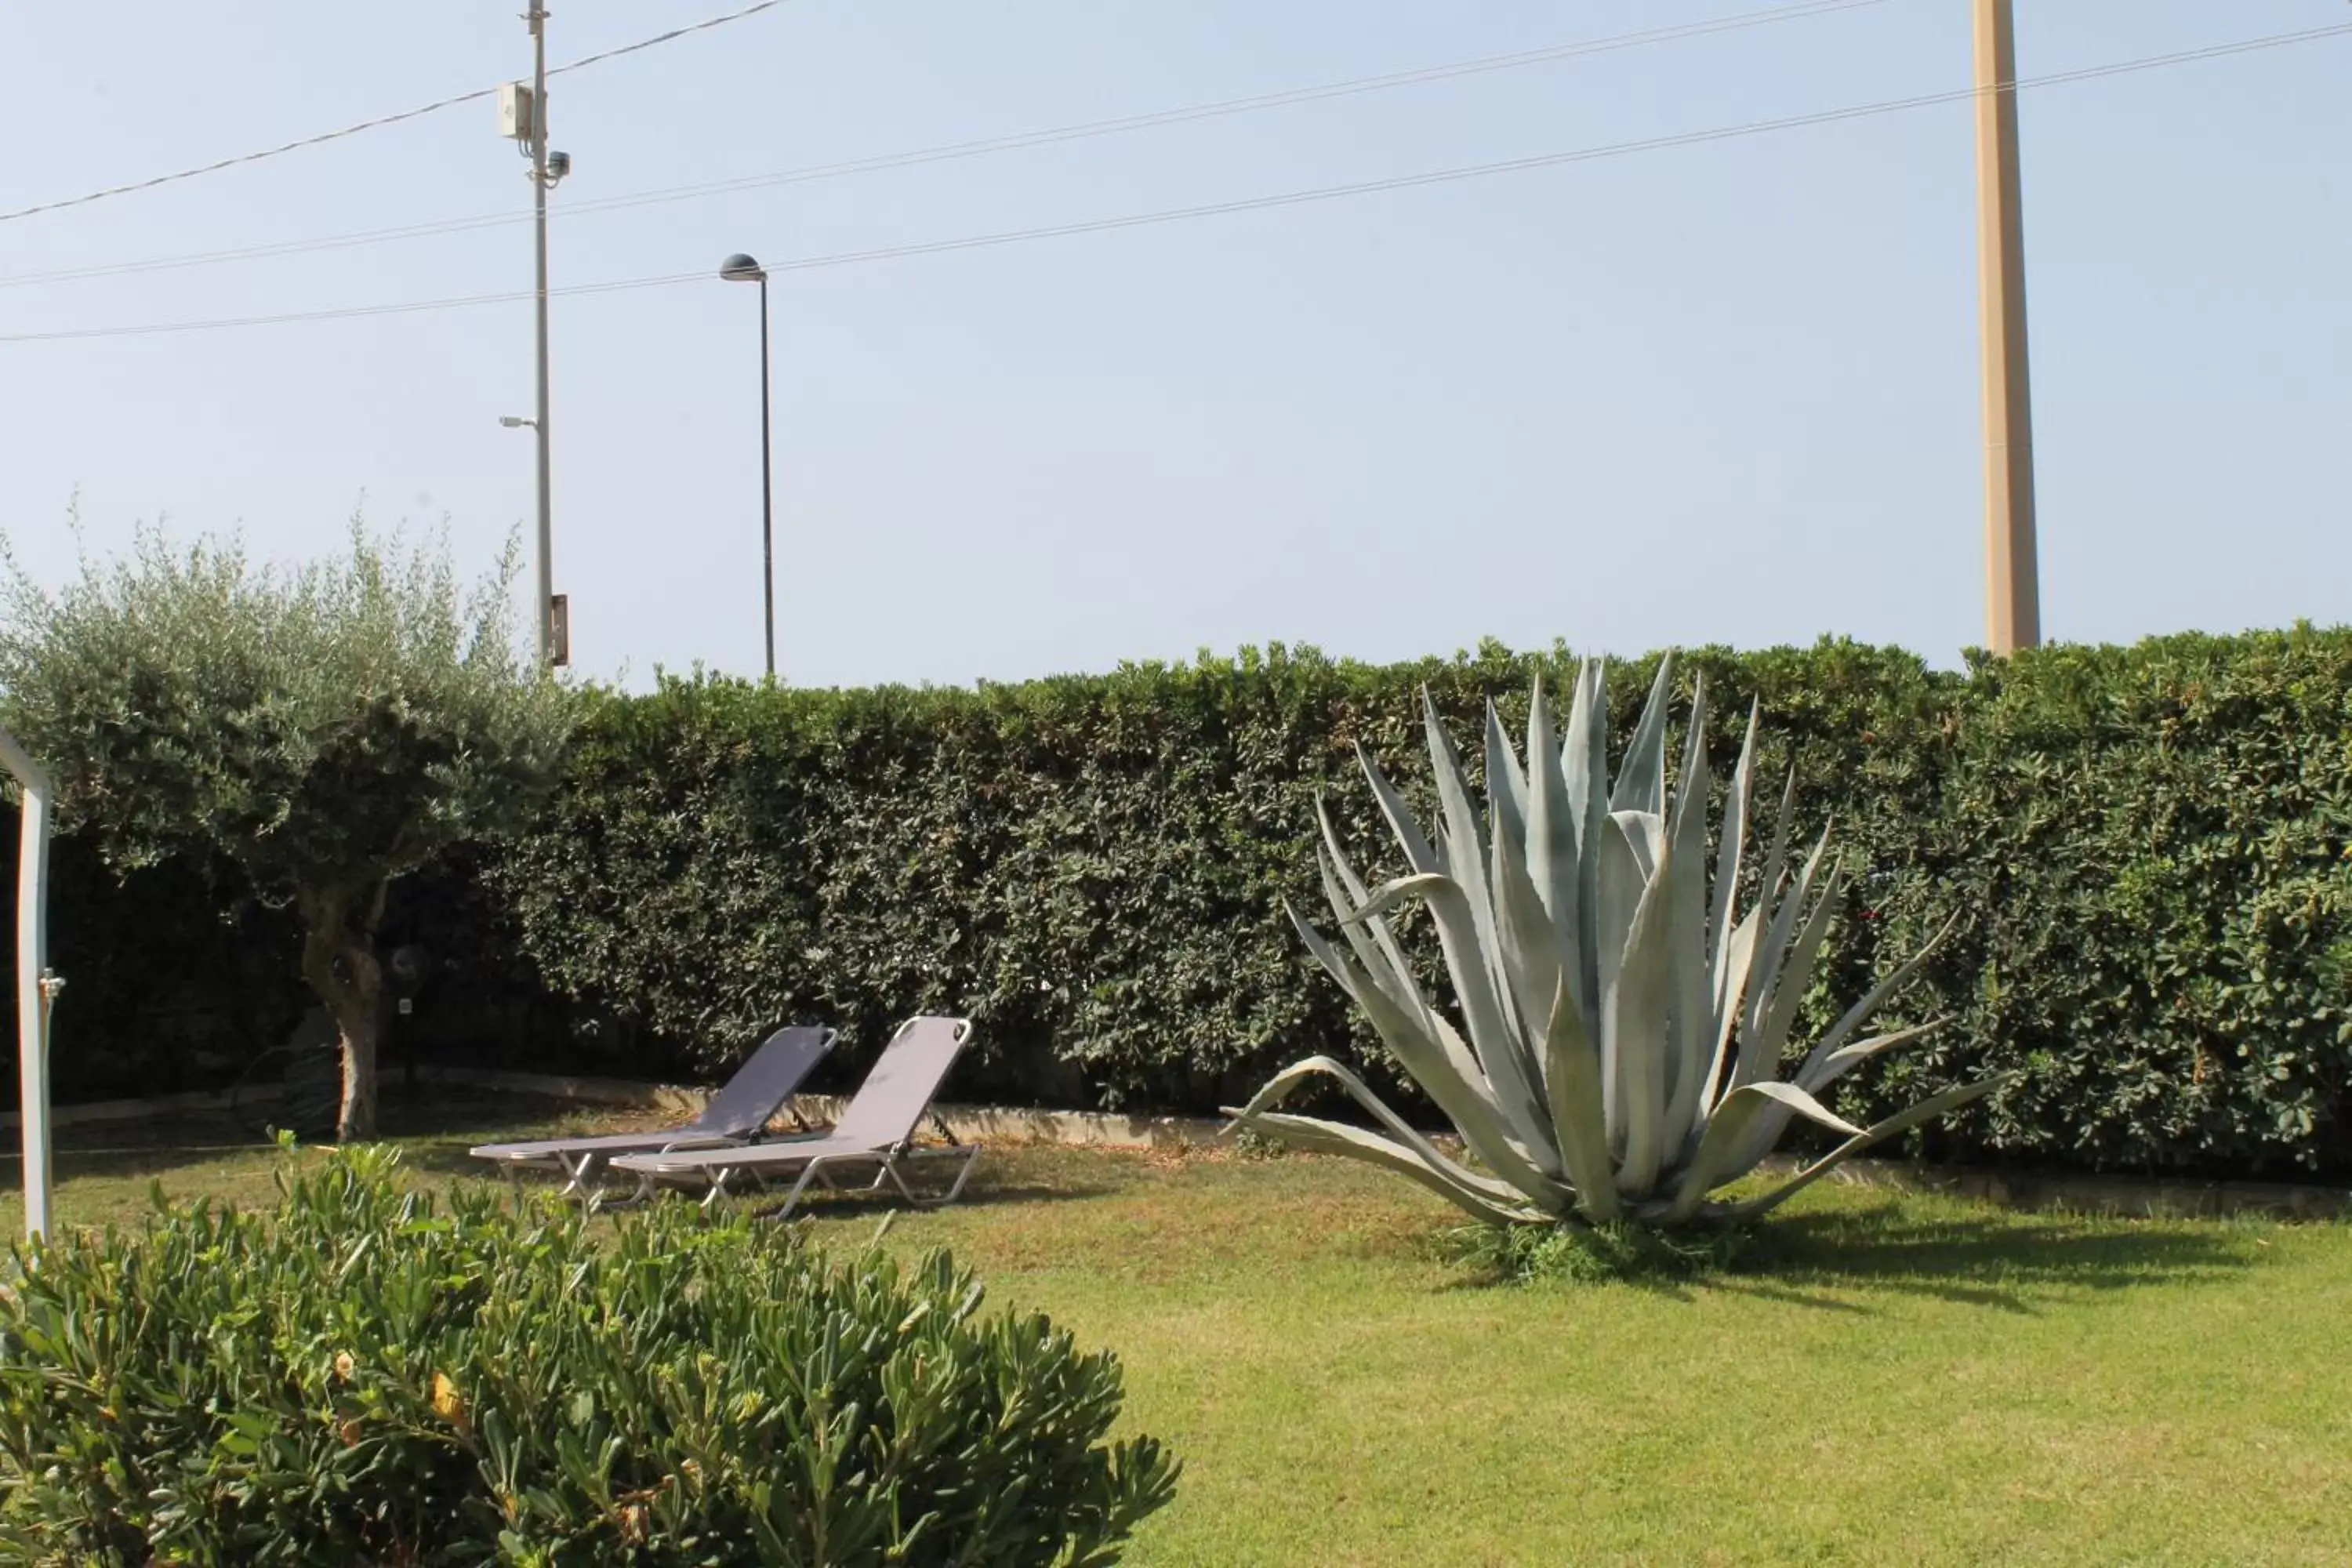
{"points": [[1623, 1023]]}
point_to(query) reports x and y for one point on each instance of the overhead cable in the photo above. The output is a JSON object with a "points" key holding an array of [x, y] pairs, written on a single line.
{"points": [[1247, 204], [1016, 141], [380, 121]]}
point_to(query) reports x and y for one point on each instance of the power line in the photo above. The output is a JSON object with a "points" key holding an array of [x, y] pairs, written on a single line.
{"points": [[1247, 204], [379, 120], [959, 149]]}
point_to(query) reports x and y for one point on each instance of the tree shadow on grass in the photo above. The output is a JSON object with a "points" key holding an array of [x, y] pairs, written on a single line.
{"points": [[433, 1133], [2000, 1261], [989, 1188], [998, 1183], [1832, 1262]]}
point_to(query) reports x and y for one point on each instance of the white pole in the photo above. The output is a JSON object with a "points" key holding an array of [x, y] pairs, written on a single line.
{"points": [[33, 984]]}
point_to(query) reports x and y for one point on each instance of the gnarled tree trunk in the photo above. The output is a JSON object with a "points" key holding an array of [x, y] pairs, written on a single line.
{"points": [[339, 960]]}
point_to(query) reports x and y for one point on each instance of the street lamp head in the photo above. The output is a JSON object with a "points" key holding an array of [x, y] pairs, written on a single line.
{"points": [[740, 268], [517, 422]]}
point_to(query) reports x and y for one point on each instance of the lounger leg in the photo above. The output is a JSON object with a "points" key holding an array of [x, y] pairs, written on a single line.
{"points": [[793, 1197], [718, 1185], [962, 1176], [576, 1186]]}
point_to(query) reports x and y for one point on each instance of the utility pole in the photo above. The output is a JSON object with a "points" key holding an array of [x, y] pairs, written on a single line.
{"points": [[2012, 584], [545, 619]]}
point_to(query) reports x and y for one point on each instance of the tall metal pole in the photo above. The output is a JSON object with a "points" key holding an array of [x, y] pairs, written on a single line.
{"points": [[2012, 582], [546, 616], [767, 488]]}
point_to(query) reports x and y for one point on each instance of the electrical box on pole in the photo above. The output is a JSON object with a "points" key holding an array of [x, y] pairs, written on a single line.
{"points": [[518, 112]]}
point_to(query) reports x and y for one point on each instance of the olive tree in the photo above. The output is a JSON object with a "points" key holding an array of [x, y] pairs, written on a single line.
{"points": [[324, 729]]}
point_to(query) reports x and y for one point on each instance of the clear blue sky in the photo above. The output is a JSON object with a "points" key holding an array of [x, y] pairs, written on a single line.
{"points": [[1716, 393]]}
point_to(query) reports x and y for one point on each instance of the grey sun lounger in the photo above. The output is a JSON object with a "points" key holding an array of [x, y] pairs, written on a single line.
{"points": [[878, 1128], [736, 1114]]}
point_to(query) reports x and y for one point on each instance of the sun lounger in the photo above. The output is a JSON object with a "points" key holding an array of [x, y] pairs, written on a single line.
{"points": [[878, 1127], [737, 1114]]}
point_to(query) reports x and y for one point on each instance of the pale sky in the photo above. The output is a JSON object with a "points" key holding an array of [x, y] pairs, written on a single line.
{"points": [[1723, 392]]}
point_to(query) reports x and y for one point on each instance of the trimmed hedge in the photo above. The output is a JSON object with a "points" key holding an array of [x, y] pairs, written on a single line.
{"points": [[2147, 847]]}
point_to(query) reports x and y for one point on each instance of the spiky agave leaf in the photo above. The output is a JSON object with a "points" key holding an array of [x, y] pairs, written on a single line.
{"points": [[1690, 1015], [1927, 1109], [1634, 1032], [1464, 1096], [1625, 1030], [1404, 1150]]}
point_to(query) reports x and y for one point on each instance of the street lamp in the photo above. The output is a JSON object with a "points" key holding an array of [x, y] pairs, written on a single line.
{"points": [[740, 268]]}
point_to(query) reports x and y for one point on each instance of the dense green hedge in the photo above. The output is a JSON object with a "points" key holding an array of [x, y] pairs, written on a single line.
{"points": [[2147, 847]]}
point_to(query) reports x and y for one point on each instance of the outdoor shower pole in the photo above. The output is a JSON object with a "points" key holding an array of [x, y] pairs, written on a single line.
{"points": [[36, 987]]}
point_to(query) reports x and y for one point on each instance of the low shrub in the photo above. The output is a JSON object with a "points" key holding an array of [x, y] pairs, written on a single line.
{"points": [[369, 1375]]}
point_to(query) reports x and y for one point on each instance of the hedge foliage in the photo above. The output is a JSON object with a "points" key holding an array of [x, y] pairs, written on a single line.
{"points": [[2147, 847], [364, 1375]]}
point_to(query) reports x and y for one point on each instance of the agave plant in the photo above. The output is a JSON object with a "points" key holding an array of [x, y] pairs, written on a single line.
{"points": [[1622, 1024]]}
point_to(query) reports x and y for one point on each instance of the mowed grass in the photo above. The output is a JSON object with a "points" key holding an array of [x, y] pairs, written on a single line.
{"points": [[1885, 1379]]}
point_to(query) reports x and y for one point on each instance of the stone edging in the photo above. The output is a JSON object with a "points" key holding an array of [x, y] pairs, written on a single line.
{"points": [[981, 1123], [2133, 1196]]}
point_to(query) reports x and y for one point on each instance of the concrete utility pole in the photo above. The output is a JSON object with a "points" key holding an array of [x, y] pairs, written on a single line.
{"points": [[522, 118], [538, 183], [2012, 582]]}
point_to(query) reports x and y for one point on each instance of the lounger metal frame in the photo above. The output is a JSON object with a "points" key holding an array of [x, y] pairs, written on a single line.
{"points": [[577, 1172], [815, 1169], [818, 1168]]}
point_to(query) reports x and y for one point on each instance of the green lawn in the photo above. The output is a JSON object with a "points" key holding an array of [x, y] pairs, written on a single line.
{"points": [[1892, 1379]]}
